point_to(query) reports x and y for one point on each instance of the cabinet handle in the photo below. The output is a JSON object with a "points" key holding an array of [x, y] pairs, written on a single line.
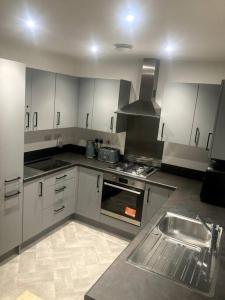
{"points": [[35, 119], [148, 195], [28, 119], [7, 197], [60, 190], [41, 189], [56, 211], [14, 179], [111, 123], [87, 120], [58, 178], [207, 145], [58, 118], [98, 178], [197, 136], [162, 132]]}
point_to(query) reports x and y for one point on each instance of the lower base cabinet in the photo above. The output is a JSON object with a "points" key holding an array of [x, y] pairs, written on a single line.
{"points": [[48, 201], [155, 198], [10, 222], [89, 193]]}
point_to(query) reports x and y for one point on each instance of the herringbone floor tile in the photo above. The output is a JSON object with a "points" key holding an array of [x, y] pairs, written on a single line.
{"points": [[61, 266]]}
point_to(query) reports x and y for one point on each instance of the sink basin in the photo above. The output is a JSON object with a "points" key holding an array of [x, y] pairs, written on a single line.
{"points": [[178, 248], [185, 229]]}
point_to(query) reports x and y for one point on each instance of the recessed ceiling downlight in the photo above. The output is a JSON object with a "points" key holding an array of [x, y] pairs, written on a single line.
{"points": [[123, 47]]}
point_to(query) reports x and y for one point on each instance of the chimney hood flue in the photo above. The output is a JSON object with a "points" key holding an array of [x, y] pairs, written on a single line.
{"points": [[146, 105]]}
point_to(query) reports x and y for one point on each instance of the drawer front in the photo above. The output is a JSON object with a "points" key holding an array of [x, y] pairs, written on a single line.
{"points": [[59, 177], [11, 223], [10, 196], [64, 190], [59, 211]]}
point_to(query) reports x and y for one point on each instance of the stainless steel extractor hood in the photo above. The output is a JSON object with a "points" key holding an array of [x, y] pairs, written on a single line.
{"points": [[146, 105]]}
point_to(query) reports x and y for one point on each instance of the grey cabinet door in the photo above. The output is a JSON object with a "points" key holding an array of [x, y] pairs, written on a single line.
{"points": [[12, 101], [85, 102], [106, 98], [89, 193], [205, 115], [10, 222], [155, 198], [32, 209], [43, 94], [178, 113], [218, 144], [66, 101]]}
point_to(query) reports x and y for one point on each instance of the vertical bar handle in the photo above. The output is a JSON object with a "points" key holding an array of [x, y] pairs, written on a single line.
{"points": [[162, 132], [58, 118], [207, 145], [28, 119], [111, 123], [197, 136], [35, 119], [87, 117], [41, 189], [98, 179], [149, 189]]}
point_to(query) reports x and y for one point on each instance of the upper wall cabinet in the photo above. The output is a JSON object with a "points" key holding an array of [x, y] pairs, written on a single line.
{"points": [[85, 103], [205, 115], [40, 101], [66, 101], [177, 113], [218, 143], [98, 101], [188, 114]]}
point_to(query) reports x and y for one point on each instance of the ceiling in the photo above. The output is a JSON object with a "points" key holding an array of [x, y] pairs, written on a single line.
{"points": [[194, 28]]}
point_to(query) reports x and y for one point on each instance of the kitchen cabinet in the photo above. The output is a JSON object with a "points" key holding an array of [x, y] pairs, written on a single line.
{"points": [[89, 193], [66, 101], [47, 201], [177, 113], [109, 95], [32, 209], [98, 101], [155, 198], [205, 115], [218, 143], [28, 101], [10, 221], [42, 99], [12, 100], [85, 102]]}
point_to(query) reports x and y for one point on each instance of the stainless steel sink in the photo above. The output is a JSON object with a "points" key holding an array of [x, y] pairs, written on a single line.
{"points": [[179, 248]]}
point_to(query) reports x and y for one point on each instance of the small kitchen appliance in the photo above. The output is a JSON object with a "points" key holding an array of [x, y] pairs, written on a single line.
{"points": [[109, 154], [90, 149]]}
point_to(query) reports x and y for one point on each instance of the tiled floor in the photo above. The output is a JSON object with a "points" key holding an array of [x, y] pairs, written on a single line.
{"points": [[62, 266]]}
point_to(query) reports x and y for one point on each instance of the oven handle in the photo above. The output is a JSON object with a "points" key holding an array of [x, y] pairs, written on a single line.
{"points": [[122, 188]]}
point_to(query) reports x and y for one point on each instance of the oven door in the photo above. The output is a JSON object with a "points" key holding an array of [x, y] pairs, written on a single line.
{"points": [[122, 202]]}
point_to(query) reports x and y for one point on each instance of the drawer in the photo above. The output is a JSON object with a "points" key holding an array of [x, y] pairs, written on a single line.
{"points": [[59, 211], [11, 196], [59, 177], [64, 190]]}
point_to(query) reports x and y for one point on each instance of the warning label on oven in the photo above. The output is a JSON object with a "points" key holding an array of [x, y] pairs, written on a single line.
{"points": [[131, 212]]}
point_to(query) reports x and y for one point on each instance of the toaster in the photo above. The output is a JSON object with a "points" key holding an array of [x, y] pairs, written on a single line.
{"points": [[109, 154]]}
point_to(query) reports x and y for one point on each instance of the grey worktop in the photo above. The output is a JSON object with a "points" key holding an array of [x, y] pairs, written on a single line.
{"points": [[125, 281]]}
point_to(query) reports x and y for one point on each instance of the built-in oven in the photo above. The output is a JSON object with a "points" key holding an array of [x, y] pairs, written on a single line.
{"points": [[123, 198]]}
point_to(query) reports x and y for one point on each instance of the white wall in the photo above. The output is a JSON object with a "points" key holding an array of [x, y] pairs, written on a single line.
{"points": [[180, 71]]}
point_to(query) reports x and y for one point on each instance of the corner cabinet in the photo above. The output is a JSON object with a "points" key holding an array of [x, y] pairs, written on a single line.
{"points": [[188, 114], [98, 101], [89, 193], [66, 101]]}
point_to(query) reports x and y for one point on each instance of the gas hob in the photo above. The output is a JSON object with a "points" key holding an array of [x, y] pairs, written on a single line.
{"points": [[135, 169]]}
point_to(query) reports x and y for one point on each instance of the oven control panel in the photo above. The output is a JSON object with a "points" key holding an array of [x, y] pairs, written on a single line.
{"points": [[125, 180]]}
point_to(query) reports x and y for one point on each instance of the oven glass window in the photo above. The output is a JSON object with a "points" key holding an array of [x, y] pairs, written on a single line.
{"points": [[127, 203]]}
